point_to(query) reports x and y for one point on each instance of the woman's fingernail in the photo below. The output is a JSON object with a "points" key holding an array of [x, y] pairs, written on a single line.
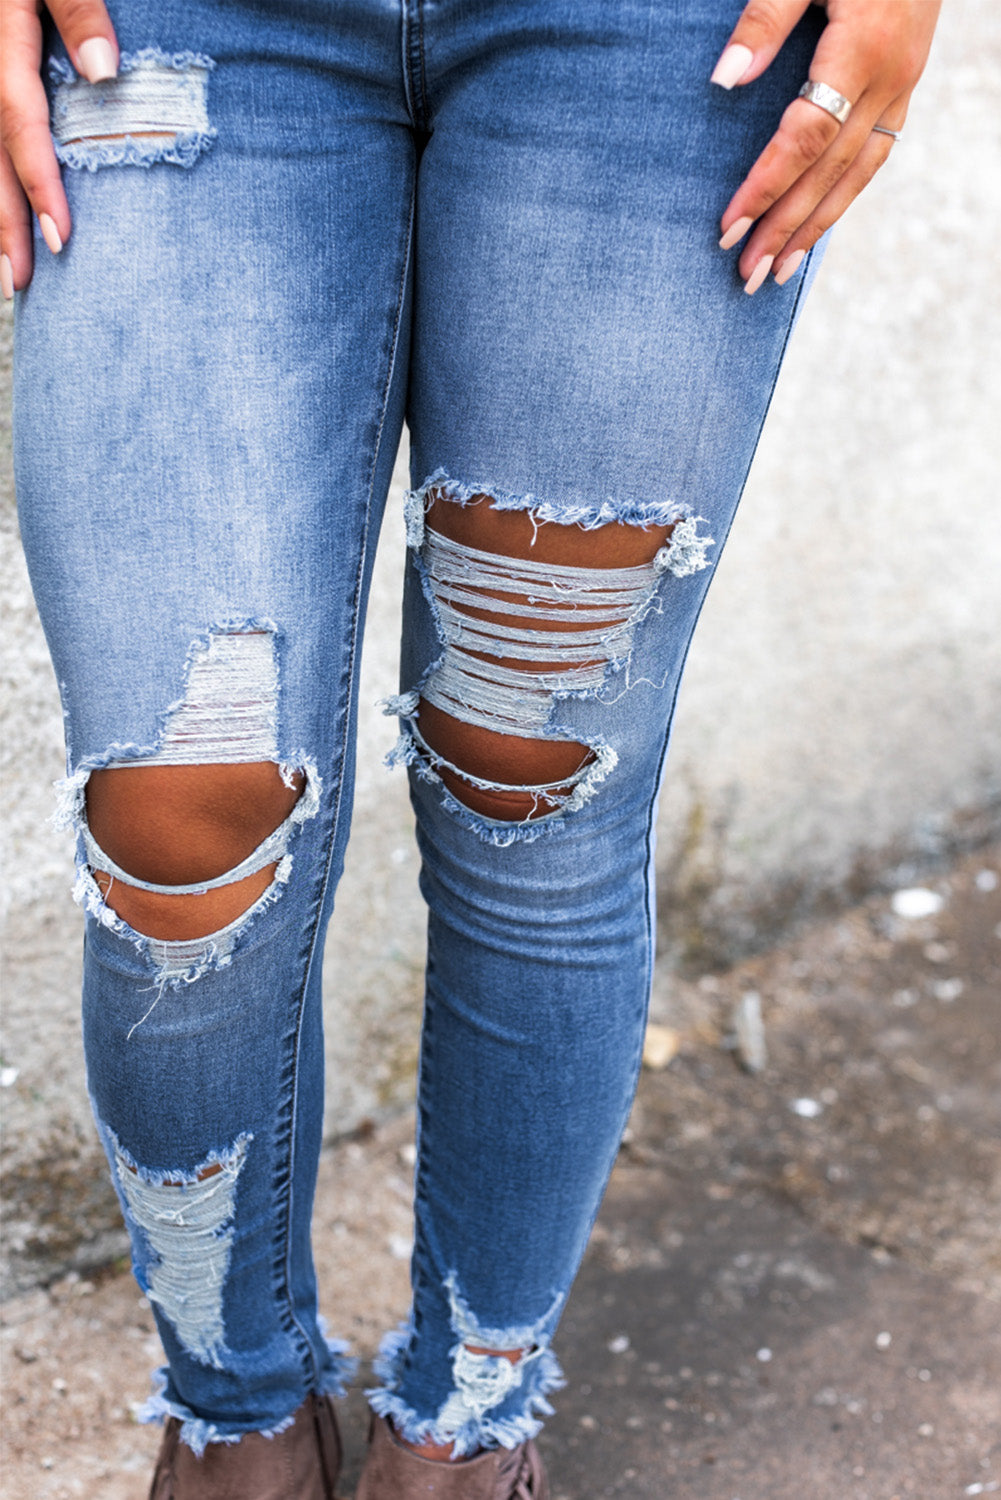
{"points": [[733, 64], [758, 275], [50, 234], [789, 267], [736, 232], [6, 277], [96, 57]]}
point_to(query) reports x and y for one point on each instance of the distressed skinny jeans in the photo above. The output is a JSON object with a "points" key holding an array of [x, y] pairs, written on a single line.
{"points": [[296, 227]]}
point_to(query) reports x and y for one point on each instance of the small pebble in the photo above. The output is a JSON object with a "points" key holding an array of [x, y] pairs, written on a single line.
{"points": [[809, 1109], [408, 1154], [926, 1430], [764, 1355], [60, 1385], [916, 901], [947, 990], [937, 953], [8, 1077], [400, 1246], [660, 1046], [619, 1345], [986, 880], [884, 1340], [750, 1032]]}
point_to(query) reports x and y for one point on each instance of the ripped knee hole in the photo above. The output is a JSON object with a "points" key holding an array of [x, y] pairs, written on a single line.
{"points": [[527, 612], [183, 841]]}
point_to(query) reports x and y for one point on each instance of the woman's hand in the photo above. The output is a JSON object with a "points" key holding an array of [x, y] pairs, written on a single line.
{"points": [[871, 51], [29, 172]]}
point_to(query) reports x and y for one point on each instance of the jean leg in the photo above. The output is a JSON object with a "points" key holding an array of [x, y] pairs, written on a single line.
{"points": [[585, 356], [209, 390]]}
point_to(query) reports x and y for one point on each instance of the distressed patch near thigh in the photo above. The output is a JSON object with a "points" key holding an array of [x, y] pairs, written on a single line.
{"points": [[155, 110], [181, 1226]]}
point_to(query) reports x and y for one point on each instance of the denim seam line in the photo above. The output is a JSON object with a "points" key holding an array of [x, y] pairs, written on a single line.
{"points": [[350, 677]]}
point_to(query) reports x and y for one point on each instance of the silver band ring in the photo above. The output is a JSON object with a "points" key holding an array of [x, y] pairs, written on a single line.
{"points": [[885, 130], [827, 99]]}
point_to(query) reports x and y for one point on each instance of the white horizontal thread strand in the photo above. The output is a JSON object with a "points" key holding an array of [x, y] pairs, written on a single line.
{"points": [[229, 706], [507, 699], [149, 97]]}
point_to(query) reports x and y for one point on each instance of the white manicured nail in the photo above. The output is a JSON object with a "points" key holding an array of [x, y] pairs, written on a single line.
{"points": [[789, 267], [736, 232], [758, 275], [6, 277], [50, 234], [96, 57], [733, 64]]}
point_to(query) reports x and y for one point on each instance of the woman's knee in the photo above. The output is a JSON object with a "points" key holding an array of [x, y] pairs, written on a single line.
{"points": [[180, 825], [483, 759]]}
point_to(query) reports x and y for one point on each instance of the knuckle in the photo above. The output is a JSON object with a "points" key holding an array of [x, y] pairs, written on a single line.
{"points": [[77, 19], [810, 137], [761, 18], [869, 167], [830, 171]]}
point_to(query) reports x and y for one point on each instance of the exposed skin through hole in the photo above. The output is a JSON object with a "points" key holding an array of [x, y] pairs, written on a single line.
{"points": [[206, 1172], [136, 135], [174, 825], [504, 757]]}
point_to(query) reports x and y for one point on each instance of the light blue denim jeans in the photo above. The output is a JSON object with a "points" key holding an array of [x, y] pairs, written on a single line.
{"points": [[497, 221]]}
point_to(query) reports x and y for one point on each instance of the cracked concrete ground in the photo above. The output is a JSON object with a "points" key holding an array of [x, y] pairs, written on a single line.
{"points": [[795, 1284]]}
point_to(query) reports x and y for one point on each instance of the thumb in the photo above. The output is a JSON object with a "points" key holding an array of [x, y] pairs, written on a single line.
{"points": [[756, 39]]}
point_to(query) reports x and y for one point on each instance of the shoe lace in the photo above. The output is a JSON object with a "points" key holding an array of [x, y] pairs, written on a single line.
{"points": [[519, 1473]]}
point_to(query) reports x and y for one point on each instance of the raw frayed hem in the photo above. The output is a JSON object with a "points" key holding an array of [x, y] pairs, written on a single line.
{"points": [[540, 1366], [587, 515], [343, 1366], [197, 1434]]}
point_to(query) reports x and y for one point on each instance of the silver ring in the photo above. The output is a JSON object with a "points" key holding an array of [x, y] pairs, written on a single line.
{"points": [[827, 99], [885, 130]]}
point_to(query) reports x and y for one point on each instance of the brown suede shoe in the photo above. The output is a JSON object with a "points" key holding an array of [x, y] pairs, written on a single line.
{"points": [[395, 1472], [301, 1463]]}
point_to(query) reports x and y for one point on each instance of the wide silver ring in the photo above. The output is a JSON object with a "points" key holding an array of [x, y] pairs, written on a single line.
{"points": [[885, 130], [827, 99]]}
